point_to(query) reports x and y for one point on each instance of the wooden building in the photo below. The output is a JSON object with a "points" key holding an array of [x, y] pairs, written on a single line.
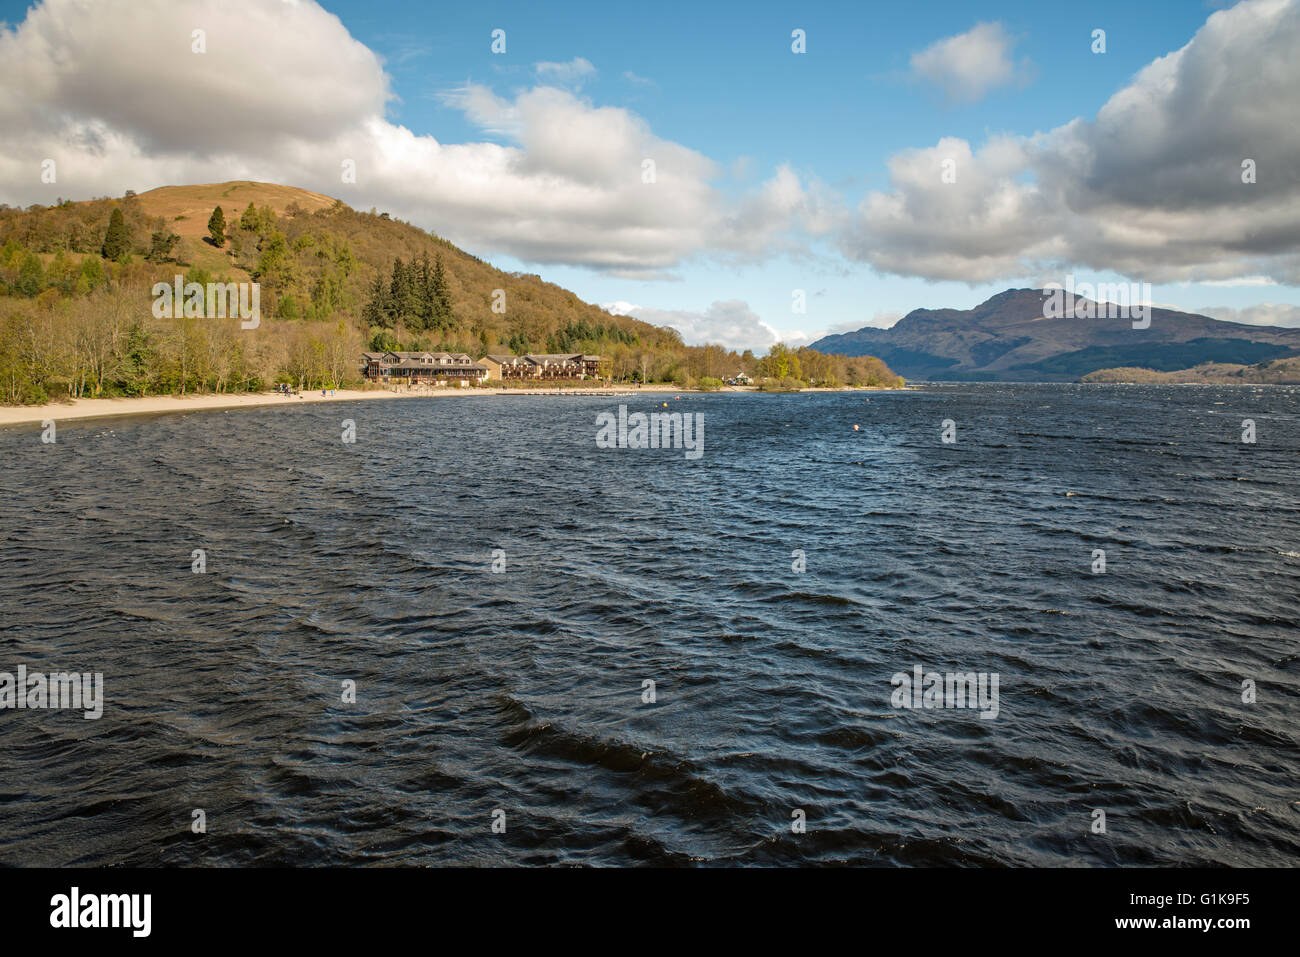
{"points": [[422, 368], [544, 366]]}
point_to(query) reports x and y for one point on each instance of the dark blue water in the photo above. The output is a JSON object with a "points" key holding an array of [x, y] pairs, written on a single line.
{"points": [[522, 691]]}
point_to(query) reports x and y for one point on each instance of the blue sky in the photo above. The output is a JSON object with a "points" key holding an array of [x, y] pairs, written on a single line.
{"points": [[720, 82]]}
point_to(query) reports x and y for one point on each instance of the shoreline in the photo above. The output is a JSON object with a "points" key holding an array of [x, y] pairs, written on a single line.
{"points": [[78, 409]]}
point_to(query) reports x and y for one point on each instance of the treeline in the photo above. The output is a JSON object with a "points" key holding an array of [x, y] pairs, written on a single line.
{"points": [[785, 368], [108, 344]]}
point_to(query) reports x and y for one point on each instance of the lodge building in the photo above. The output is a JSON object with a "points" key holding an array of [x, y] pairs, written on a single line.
{"points": [[542, 366], [447, 368], [422, 368]]}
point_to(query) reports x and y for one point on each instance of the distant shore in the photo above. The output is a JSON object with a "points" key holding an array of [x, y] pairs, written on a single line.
{"points": [[159, 404]]}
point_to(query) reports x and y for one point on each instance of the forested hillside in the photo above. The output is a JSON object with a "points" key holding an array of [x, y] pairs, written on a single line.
{"points": [[76, 315]]}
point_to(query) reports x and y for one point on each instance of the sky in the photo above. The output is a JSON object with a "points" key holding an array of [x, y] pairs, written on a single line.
{"points": [[816, 167]]}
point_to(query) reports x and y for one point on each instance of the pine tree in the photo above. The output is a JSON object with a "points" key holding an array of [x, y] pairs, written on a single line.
{"points": [[441, 299], [376, 312], [403, 301], [116, 238], [424, 289], [217, 227]]}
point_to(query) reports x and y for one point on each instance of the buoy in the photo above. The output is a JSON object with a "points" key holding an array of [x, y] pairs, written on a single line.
{"points": [[855, 428]]}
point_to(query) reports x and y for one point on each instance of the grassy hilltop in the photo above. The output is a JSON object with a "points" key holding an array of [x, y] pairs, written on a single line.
{"points": [[76, 304]]}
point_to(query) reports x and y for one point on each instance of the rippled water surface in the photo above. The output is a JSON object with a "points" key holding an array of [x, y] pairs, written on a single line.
{"points": [[522, 691]]}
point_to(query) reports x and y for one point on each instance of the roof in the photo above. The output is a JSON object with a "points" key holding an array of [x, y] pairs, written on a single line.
{"points": [[440, 367]]}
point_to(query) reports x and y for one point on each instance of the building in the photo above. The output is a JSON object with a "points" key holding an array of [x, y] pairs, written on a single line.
{"points": [[422, 368], [543, 366], [507, 367]]}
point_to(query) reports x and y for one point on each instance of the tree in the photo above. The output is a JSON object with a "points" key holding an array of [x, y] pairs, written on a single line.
{"points": [[403, 300], [31, 275], [383, 341], [441, 301], [266, 225], [376, 312], [249, 219], [116, 238], [92, 275], [160, 246], [217, 227]]}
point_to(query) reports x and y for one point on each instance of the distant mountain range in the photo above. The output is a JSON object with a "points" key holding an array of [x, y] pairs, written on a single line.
{"points": [[1007, 338]]}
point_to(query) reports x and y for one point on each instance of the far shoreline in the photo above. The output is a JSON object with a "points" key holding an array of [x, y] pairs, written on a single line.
{"points": [[81, 409]]}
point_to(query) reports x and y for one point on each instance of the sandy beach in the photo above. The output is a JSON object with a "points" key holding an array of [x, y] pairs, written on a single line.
{"points": [[149, 405]]}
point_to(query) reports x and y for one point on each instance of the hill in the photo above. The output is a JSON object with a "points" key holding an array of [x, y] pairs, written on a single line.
{"points": [[1269, 372], [188, 207], [332, 280], [1007, 338]]}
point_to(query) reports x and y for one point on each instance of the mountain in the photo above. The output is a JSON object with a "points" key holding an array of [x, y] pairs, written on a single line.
{"points": [[1007, 338]]}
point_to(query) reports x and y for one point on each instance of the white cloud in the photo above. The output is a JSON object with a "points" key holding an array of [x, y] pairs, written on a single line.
{"points": [[968, 65], [1150, 188], [569, 73], [1261, 314], [1242, 281], [729, 323], [620, 307], [878, 320], [113, 93]]}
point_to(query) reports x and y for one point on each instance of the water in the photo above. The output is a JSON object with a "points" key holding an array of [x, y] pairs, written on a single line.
{"points": [[522, 691]]}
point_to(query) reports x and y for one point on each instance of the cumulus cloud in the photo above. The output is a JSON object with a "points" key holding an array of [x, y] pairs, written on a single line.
{"points": [[1151, 187], [82, 72], [979, 224], [729, 323], [968, 65], [112, 92], [1261, 314]]}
